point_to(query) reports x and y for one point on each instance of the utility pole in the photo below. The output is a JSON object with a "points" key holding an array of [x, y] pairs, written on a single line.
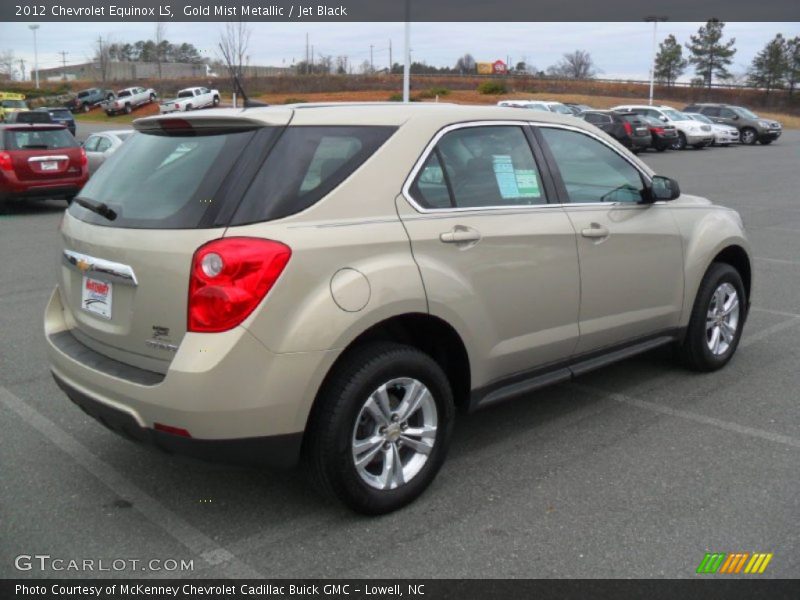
{"points": [[407, 61], [22, 67], [63, 65], [306, 52], [371, 62], [655, 21], [391, 64], [33, 28], [312, 58]]}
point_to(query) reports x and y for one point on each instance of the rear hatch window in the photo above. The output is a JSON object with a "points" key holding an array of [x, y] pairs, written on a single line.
{"points": [[160, 181], [38, 139]]}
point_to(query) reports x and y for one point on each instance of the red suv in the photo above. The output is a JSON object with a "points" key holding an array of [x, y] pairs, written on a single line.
{"points": [[40, 161]]}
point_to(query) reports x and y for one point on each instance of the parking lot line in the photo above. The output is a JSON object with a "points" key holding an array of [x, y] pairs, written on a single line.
{"points": [[690, 416], [192, 538], [778, 261], [768, 331]]}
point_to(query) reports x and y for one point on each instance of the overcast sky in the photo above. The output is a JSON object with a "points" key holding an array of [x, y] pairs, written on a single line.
{"points": [[619, 50]]}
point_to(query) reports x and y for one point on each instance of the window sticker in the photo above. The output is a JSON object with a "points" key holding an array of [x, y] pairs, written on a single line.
{"points": [[527, 183], [504, 175]]}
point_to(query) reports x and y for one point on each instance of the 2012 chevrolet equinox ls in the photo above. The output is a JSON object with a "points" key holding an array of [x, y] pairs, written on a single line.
{"points": [[329, 282]]}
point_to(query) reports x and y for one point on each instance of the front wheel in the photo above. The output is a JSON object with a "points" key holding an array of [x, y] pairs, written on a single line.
{"points": [[152, 97], [216, 101], [718, 316], [381, 428], [680, 143], [86, 107], [749, 136]]}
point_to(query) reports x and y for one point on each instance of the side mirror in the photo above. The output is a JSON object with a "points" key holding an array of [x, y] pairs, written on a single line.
{"points": [[664, 188], [663, 118], [735, 117]]}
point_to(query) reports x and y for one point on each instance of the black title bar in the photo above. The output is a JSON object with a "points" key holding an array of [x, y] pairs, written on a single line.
{"points": [[397, 10]]}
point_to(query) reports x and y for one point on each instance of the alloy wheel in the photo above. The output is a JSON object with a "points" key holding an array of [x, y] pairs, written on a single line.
{"points": [[394, 433], [722, 319]]}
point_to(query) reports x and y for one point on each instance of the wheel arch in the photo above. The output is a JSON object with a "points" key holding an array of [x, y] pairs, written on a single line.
{"points": [[429, 334]]}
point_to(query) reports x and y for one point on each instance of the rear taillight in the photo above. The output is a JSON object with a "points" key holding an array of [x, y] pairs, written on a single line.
{"points": [[230, 277], [628, 128], [659, 130], [5, 162], [84, 159]]}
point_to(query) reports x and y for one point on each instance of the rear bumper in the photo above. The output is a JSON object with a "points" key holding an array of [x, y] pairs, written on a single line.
{"points": [[277, 450], [226, 390], [39, 192]]}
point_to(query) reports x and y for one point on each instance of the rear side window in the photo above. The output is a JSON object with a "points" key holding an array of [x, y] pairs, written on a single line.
{"points": [[166, 181], [38, 139], [61, 114], [305, 165]]}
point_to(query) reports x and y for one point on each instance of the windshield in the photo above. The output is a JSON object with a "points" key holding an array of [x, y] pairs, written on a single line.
{"points": [[560, 108], [746, 113], [38, 139], [674, 115], [164, 181], [702, 118], [14, 104]]}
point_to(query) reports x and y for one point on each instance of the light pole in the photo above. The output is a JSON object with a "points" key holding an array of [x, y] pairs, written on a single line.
{"points": [[655, 21], [407, 55], [33, 28]]}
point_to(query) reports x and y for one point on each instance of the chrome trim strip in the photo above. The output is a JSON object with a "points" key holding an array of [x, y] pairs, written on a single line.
{"points": [[111, 271], [406, 190], [47, 158]]}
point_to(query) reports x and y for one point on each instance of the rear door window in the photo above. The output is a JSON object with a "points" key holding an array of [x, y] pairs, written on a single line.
{"points": [[480, 167], [305, 165]]}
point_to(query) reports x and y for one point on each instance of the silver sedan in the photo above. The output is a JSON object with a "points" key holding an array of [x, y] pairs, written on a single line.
{"points": [[99, 146]]}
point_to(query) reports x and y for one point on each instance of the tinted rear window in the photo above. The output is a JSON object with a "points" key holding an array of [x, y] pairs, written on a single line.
{"points": [[124, 93], [186, 94], [166, 182], [305, 165], [61, 114], [33, 117], [38, 139]]}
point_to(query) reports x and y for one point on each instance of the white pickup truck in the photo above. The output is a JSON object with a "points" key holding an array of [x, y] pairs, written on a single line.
{"points": [[128, 99], [191, 99]]}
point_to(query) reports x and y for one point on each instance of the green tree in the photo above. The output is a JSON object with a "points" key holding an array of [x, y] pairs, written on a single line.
{"points": [[670, 63], [792, 63], [709, 54], [768, 69]]}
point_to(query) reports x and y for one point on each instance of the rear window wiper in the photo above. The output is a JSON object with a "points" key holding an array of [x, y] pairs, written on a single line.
{"points": [[97, 207]]}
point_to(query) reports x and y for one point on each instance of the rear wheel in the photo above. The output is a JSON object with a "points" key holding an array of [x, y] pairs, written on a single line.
{"points": [[216, 100], [128, 109], [749, 136], [152, 97], [718, 316], [381, 428], [86, 107]]}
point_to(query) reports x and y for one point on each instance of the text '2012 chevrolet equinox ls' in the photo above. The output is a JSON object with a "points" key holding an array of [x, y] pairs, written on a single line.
{"points": [[331, 282]]}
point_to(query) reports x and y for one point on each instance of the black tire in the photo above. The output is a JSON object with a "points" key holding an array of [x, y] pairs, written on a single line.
{"points": [[661, 146], [188, 107], [328, 451], [695, 351], [749, 136], [680, 143], [128, 109], [766, 142], [216, 101], [69, 199], [86, 107], [152, 97]]}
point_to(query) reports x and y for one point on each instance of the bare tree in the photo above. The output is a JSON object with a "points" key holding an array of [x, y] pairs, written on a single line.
{"points": [[7, 64], [574, 65], [161, 29], [465, 64], [102, 56], [233, 42]]}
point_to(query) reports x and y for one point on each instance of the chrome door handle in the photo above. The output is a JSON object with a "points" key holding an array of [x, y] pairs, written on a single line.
{"points": [[460, 235], [595, 231]]}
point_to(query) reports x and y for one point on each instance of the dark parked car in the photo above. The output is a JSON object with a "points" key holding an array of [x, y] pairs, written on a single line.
{"points": [[627, 128], [88, 99], [62, 116], [40, 161], [664, 135], [752, 128]]}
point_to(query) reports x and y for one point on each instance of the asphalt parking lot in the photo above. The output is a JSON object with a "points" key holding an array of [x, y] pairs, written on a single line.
{"points": [[633, 471]]}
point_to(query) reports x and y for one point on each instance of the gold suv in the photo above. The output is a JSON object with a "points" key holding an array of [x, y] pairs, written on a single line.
{"points": [[330, 282]]}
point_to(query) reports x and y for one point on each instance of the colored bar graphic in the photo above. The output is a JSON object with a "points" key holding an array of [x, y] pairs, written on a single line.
{"points": [[733, 563]]}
